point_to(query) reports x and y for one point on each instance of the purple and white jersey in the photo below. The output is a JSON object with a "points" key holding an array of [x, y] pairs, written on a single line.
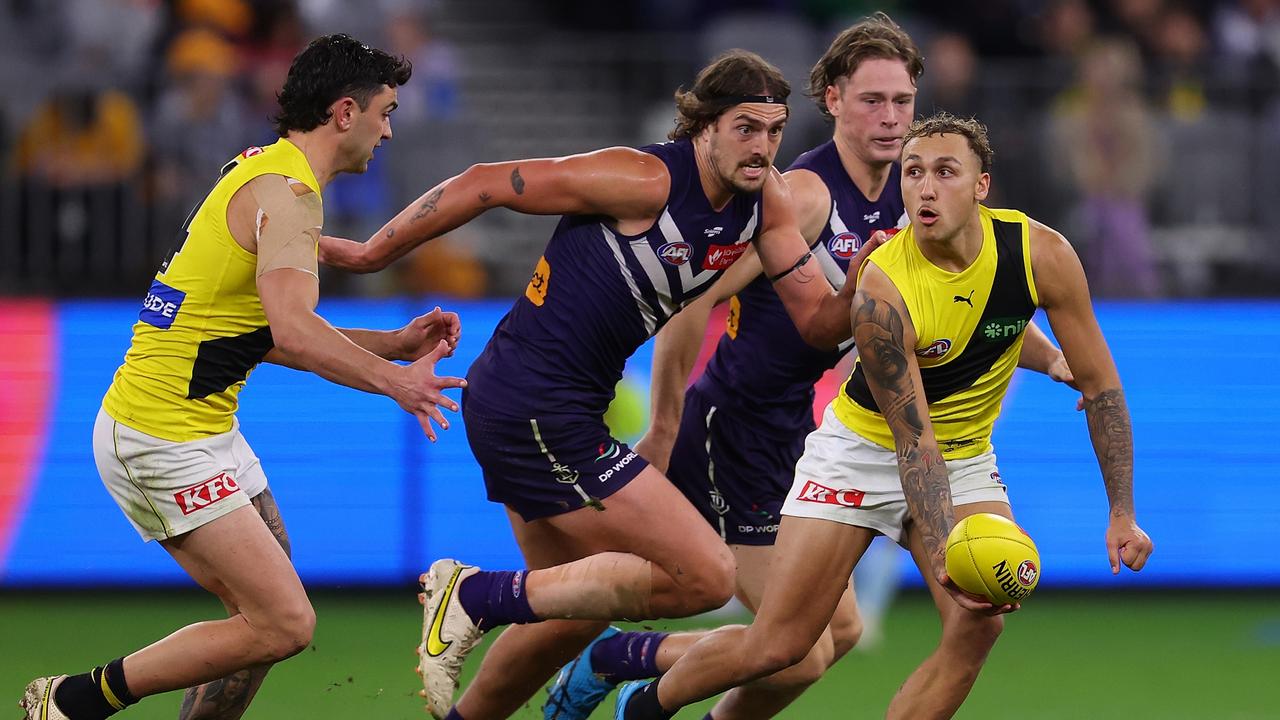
{"points": [[762, 365], [597, 295]]}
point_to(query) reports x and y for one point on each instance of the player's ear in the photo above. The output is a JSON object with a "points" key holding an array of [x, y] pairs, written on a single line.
{"points": [[983, 187], [832, 98], [343, 112]]}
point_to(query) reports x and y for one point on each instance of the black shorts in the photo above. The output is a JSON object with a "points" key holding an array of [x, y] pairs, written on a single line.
{"points": [[550, 465], [735, 470]]}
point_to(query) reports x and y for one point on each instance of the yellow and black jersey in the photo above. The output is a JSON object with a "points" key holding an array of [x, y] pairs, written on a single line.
{"points": [[201, 329], [969, 329]]}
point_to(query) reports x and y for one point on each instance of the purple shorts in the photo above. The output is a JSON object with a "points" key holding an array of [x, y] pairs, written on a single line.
{"points": [[734, 468], [551, 465]]}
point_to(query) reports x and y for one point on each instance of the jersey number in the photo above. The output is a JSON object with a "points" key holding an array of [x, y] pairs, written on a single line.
{"points": [[185, 232]]}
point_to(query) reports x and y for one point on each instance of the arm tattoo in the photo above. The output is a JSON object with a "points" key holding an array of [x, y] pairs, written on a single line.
{"points": [[517, 182], [878, 331], [429, 204], [1112, 435]]}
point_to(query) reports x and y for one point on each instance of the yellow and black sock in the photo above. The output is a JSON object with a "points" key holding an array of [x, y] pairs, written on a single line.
{"points": [[95, 695]]}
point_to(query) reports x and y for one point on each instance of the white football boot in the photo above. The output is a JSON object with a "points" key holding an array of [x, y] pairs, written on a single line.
{"points": [[448, 634]]}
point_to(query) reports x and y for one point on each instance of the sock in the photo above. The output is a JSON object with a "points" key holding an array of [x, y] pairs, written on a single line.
{"points": [[453, 714], [496, 598], [644, 705], [627, 656], [95, 695]]}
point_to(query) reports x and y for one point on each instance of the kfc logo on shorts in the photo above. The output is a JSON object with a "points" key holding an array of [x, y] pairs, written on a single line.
{"points": [[815, 493], [675, 253], [845, 244], [199, 497], [1027, 573], [720, 257]]}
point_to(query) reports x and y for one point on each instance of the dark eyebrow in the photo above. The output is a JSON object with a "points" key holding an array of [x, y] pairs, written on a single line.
{"points": [[394, 104]]}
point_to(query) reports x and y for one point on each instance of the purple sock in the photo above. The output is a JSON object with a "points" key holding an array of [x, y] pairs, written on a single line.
{"points": [[627, 656], [453, 714], [496, 598]]}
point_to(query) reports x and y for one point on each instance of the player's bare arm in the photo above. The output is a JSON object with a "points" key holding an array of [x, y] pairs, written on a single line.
{"points": [[1041, 355], [1064, 294], [285, 224], [413, 341], [883, 332], [819, 313], [675, 352], [624, 184], [812, 201]]}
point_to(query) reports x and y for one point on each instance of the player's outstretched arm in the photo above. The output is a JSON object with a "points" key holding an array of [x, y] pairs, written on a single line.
{"points": [[280, 222], [675, 352], [619, 183], [820, 314], [413, 341], [1064, 294]]}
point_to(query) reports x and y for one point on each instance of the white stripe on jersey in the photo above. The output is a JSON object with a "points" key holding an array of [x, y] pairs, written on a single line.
{"points": [[646, 312]]}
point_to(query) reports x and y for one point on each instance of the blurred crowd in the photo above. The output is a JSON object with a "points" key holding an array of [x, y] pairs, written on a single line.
{"points": [[1149, 130]]}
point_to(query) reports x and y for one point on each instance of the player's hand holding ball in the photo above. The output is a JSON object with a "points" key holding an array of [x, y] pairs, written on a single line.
{"points": [[990, 557]]}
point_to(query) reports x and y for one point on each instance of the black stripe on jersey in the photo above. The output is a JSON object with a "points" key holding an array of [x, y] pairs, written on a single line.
{"points": [[224, 362], [1003, 321]]}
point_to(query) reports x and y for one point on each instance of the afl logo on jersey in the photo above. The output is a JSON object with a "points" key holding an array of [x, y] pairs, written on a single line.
{"points": [[845, 244], [675, 253], [937, 349], [250, 152]]}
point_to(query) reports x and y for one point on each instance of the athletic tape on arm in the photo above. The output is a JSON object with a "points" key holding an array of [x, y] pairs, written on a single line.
{"points": [[287, 226]]}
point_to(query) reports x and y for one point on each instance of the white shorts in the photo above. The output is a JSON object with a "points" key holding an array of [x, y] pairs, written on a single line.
{"points": [[168, 488], [846, 478]]}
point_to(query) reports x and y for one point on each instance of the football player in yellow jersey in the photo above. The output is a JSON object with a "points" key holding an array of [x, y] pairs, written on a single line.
{"points": [[240, 288], [905, 450]]}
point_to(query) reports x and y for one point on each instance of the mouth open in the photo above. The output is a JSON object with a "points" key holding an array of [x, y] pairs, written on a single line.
{"points": [[754, 171], [927, 216]]}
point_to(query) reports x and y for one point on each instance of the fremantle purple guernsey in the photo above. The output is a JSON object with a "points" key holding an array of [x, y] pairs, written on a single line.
{"points": [[597, 295], [762, 365]]}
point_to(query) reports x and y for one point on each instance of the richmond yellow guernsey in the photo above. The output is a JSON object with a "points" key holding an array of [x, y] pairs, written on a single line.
{"points": [[969, 329], [201, 330]]}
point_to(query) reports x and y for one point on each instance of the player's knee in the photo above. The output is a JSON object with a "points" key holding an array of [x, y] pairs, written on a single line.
{"points": [[975, 633], [782, 655], [709, 584], [290, 631]]}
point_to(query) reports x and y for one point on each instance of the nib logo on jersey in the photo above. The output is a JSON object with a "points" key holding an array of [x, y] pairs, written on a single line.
{"points": [[815, 493], [161, 305], [201, 496], [844, 245]]}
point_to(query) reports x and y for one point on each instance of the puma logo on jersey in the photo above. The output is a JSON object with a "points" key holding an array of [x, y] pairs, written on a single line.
{"points": [[966, 300]]}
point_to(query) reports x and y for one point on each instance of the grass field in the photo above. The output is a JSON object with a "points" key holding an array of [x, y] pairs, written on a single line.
{"points": [[1128, 655]]}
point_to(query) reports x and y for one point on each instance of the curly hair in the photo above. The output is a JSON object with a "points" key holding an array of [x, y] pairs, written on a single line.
{"points": [[734, 74], [332, 67], [876, 37], [944, 123]]}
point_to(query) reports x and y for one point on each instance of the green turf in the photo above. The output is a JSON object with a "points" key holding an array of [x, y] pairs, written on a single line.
{"points": [[1168, 656]]}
